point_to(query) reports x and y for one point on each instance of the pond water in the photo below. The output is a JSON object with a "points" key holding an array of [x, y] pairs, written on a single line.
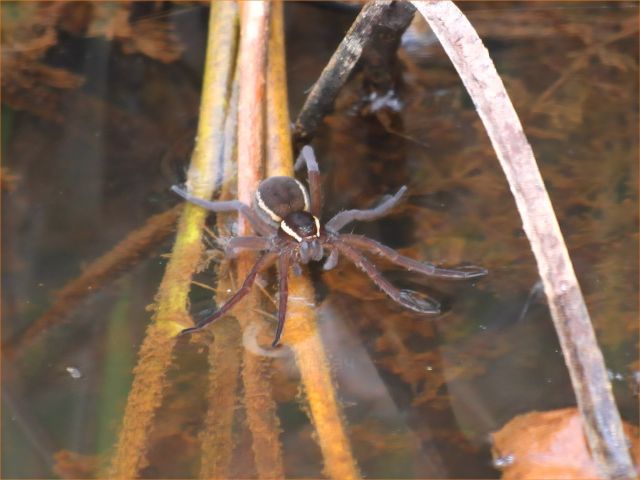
{"points": [[97, 126]]}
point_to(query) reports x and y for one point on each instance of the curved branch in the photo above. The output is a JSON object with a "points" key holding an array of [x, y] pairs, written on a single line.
{"points": [[570, 316]]}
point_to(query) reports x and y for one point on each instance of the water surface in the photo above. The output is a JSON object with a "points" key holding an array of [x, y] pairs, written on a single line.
{"points": [[86, 163]]}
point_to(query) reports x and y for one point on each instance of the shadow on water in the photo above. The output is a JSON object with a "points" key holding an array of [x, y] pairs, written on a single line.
{"points": [[97, 125]]}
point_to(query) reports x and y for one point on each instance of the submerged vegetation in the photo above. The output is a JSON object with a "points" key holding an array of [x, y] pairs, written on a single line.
{"points": [[362, 387]]}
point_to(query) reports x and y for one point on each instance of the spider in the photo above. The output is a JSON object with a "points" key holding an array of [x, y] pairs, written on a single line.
{"points": [[287, 220]]}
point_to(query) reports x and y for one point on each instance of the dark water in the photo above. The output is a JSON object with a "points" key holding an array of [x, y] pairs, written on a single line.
{"points": [[86, 163]]}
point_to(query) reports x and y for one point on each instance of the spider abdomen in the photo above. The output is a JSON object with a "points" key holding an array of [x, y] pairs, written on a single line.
{"points": [[277, 197]]}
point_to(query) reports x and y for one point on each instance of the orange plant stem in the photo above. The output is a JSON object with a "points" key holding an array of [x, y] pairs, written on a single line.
{"points": [[301, 332], [253, 40], [279, 156]]}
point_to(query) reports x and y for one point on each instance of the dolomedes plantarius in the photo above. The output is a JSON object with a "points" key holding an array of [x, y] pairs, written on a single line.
{"points": [[287, 220]]}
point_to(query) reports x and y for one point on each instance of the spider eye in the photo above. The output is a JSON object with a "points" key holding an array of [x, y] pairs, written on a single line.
{"points": [[300, 225]]}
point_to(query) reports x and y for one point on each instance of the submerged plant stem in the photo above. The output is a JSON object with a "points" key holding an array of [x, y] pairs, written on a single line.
{"points": [[225, 355], [256, 371], [584, 359], [302, 335], [279, 155], [171, 312], [224, 367], [121, 258], [301, 332]]}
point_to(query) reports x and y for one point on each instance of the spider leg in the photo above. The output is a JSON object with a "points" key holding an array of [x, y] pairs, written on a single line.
{"points": [[245, 243], [410, 264], [305, 252], [331, 261], [283, 295], [406, 298], [256, 222], [313, 173], [345, 217], [262, 263], [297, 269]]}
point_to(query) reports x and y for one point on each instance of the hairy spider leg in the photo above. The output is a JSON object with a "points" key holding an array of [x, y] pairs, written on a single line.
{"points": [[313, 174], [347, 216], [405, 298], [332, 259], [245, 243], [283, 295], [410, 264], [256, 222], [263, 262]]}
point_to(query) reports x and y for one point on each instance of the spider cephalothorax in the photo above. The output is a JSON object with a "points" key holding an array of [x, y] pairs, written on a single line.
{"points": [[287, 220], [283, 202]]}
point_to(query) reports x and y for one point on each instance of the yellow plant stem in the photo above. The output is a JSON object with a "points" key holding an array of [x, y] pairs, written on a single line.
{"points": [[279, 157], [225, 354], [301, 331], [171, 311]]}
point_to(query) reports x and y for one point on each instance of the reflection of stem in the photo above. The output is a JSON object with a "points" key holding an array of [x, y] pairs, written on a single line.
{"points": [[24, 423], [121, 258], [117, 363], [171, 314], [302, 335], [301, 332], [259, 403], [584, 360]]}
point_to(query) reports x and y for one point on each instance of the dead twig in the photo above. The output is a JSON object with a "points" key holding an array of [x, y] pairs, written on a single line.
{"points": [[375, 16]]}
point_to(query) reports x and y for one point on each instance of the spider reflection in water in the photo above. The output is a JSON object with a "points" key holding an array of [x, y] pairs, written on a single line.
{"points": [[287, 220]]}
